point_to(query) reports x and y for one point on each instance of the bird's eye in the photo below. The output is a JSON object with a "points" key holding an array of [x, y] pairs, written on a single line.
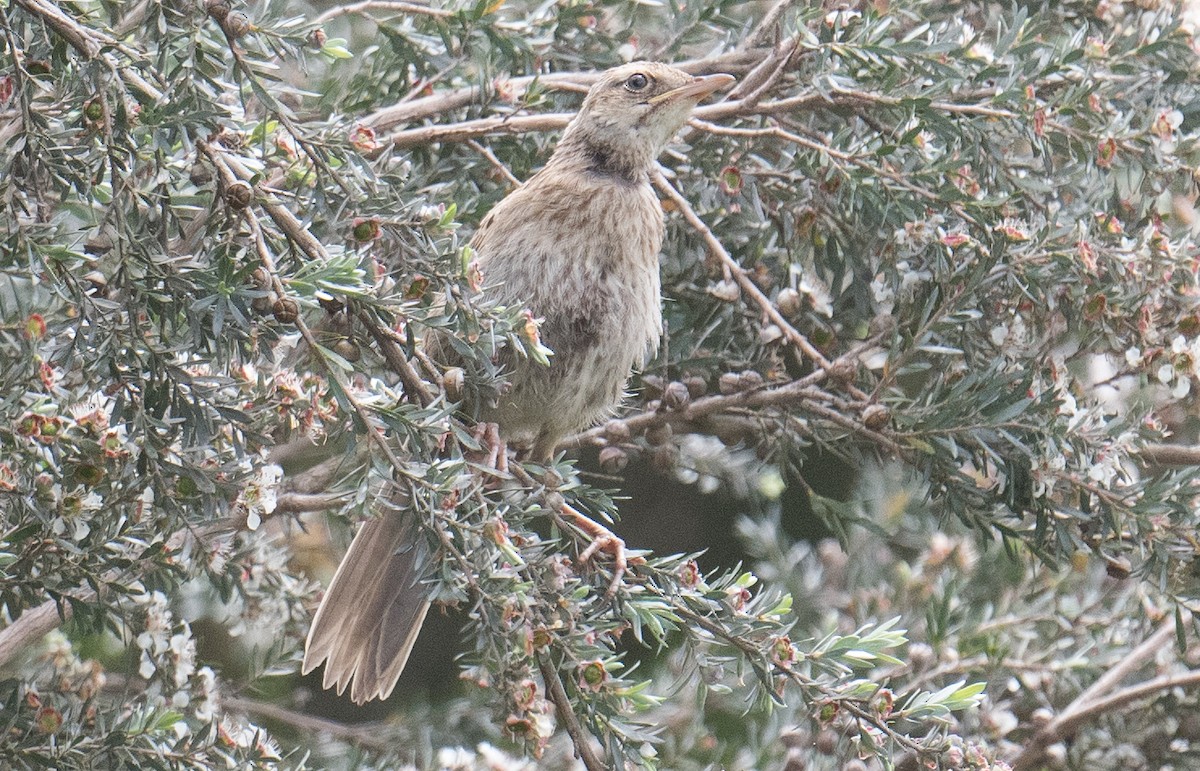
{"points": [[637, 82]]}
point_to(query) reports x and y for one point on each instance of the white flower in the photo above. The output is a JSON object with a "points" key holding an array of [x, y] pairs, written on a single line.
{"points": [[1165, 373], [1133, 356], [818, 295]]}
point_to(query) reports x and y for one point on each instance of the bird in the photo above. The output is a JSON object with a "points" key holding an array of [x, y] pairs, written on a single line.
{"points": [[578, 245]]}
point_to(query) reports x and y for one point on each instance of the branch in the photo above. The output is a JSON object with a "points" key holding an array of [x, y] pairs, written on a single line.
{"points": [[366, 6], [33, 625], [744, 280], [1090, 703], [78, 37], [88, 42], [579, 737], [430, 106], [364, 734], [1170, 455], [295, 503]]}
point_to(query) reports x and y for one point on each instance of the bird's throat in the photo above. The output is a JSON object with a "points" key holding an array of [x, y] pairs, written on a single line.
{"points": [[615, 164]]}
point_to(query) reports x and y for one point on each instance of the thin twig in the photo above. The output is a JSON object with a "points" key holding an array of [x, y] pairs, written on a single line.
{"points": [[743, 277], [295, 503], [393, 354], [365, 8], [491, 158], [579, 737]]}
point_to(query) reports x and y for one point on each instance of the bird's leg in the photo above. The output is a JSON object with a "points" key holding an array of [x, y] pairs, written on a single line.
{"points": [[603, 540]]}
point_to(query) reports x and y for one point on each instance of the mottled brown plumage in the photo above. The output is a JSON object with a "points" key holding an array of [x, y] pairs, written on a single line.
{"points": [[578, 244]]}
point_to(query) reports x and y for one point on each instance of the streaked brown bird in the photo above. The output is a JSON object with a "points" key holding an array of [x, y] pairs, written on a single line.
{"points": [[578, 244]]}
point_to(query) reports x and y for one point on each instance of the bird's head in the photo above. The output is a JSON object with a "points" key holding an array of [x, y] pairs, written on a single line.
{"points": [[632, 112]]}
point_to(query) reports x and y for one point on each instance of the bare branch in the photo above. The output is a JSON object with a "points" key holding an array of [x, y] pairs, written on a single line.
{"points": [[1091, 703]]}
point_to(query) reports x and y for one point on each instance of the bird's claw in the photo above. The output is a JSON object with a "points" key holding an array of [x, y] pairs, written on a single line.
{"points": [[603, 540], [496, 449]]}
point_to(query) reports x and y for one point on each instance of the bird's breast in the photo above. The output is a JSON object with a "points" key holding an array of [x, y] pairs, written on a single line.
{"points": [[584, 257]]}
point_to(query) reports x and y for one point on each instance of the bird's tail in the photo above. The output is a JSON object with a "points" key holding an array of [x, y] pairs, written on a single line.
{"points": [[373, 610]]}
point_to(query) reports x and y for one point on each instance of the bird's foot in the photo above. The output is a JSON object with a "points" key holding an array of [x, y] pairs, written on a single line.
{"points": [[495, 450], [603, 540]]}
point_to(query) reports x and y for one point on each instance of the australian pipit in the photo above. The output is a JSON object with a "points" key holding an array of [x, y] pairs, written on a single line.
{"points": [[578, 244]]}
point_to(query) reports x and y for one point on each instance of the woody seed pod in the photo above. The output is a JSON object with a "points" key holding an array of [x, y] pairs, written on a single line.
{"points": [[239, 194], [876, 416], [613, 459], [749, 379], [348, 350], [286, 310], [616, 431], [237, 24], [454, 381], [676, 396], [218, 9], [200, 175], [844, 370], [658, 434], [654, 386]]}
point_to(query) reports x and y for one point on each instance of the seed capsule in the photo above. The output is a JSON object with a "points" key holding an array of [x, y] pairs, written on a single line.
{"points": [[348, 350], [455, 382], [749, 379], [676, 396], [285, 310], [659, 434], [239, 195], [876, 416], [200, 175], [613, 459], [616, 431], [237, 24]]}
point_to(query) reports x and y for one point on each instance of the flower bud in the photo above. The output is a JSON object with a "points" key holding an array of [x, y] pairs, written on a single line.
{"points": [[454, 381]]}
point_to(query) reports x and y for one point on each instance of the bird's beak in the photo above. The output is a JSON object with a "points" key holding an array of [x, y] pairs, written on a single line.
{"points": [[700, 87]]}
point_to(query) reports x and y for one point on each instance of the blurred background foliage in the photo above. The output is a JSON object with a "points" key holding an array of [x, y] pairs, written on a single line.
{"points": [[914, 471]]}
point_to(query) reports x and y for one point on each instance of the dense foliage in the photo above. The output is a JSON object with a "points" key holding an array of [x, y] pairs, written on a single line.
{"points": [[944, 248]]}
